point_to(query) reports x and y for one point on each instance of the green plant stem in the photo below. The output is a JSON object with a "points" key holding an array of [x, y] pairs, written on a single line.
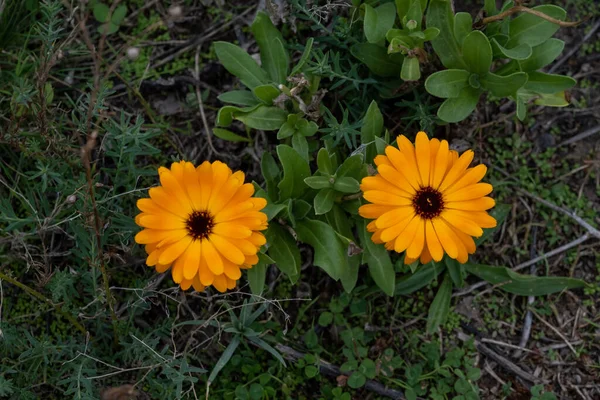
{"points": [[44, 299]]}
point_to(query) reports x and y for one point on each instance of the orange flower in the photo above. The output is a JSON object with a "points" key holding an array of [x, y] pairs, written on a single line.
{"points": [[203, 223], [427, 201]]}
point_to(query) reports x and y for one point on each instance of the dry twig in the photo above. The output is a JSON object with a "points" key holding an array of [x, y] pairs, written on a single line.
{"points": [[517, 9]]}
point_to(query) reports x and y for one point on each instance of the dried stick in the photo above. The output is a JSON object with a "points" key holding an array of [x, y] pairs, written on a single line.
{"points": [[86, 152], [530, 299], [333, 370], [526, 264], [517, 9], [44, 299], [592, 231], [575, 48], [501, 360], [201, 103], [555, 330]]}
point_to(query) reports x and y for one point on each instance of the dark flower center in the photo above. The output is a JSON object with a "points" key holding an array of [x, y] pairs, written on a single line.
{"points": [[199, 224], [428, 203]]}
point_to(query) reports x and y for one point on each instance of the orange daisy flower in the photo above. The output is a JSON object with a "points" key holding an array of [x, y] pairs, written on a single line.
{"points": [[425, 200], [203, 224]]}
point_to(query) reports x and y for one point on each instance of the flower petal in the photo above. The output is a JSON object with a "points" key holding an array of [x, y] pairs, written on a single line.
{"points": [[232, 230], [463, 224], [232, 271], [386, 199], [192, 260], [457, 170], [416, 247], [174, 250], [407, 236], [481, 204], [227, 249], [440, 164], [212, 257], [469, 193], [433, 243], [394, 231], [393, 217], [423, 155], [372, 211], [446, 237], [402, 163], [472, 176]]}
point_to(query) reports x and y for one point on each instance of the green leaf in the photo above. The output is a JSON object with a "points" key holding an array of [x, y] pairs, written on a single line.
{"points": [[239, 97], [533, 30], [306, 128], [284, 251], [421, 278], [377, 59], [440, 16], [490, 7], [430, 34], [368, 368], [477, 53], [402, 7], [101, 12], [440, 307], [239, 63], [520, 52], [256, 278], [224, 359], [226, 134], [557, 99], [411, 70], [458, 108], [548, 83], [266, 346], [266, 93], [350, 167], [304, 58], [455, 270], [325, 319], [463, 25], [318, 182], [378, 261], [324, 162], [270, 171], [378, 21], [349, 273], [273, 56], [295, 170], [324, 201], [329, 252], [524, 285], [521, 108], [108, 28], [346, 184], [300, 144], [264, 118], [414, 13], [311, 371], [372, 126], [542, 55], [356, 380], [447, 84], [503, 86], [226, 114], [119, 14], [301, 209]]}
